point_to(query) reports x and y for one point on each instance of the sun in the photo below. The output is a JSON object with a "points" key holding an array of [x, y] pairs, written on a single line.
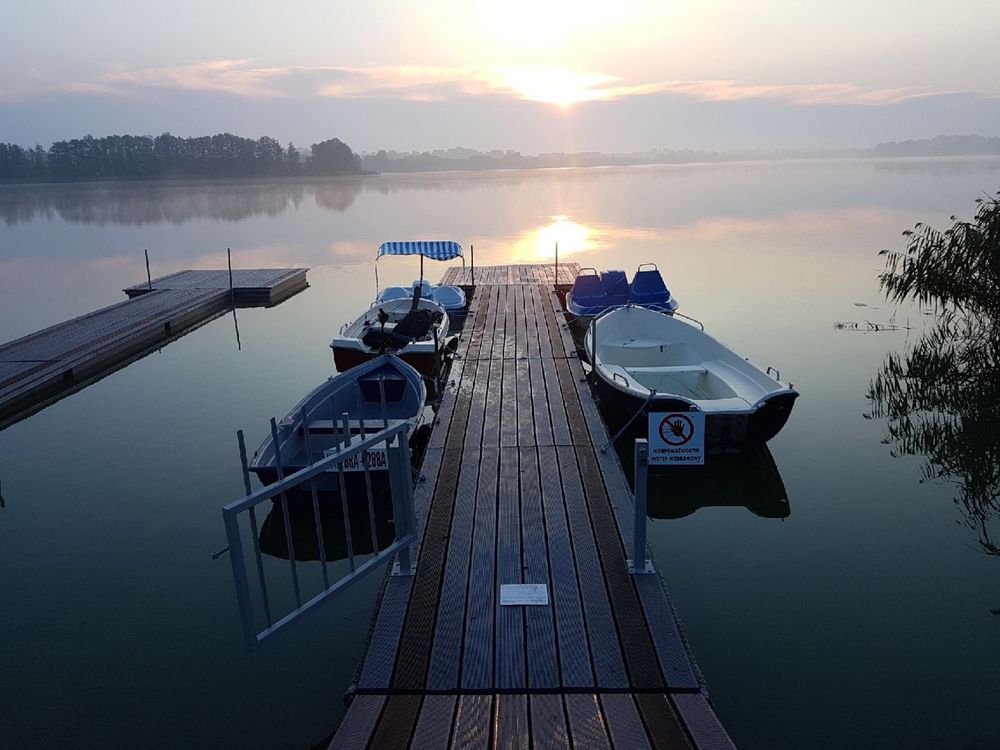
{"points": [[557, 86]]}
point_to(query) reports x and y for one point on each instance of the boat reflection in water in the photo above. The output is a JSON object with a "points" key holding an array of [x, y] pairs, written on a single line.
{"points": [[302, 523], [748, 480]]}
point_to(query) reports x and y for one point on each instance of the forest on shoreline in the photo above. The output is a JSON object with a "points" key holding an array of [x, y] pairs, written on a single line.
{"points": [[143, 157]]}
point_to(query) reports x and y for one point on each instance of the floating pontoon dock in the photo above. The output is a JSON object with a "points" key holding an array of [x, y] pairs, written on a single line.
{"points": [[518, 491], [50, 363]]}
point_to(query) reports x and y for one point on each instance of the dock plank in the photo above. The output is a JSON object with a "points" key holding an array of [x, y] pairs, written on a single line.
{"points": [[395, 727], [571, 633], [543, 669], [510, 651], [435, 722], [586, 722], [604, 639], [473, 722], [355, 731], [478, 649], [509, 403], [624, 725], [445, 659], [548, 722], [511, 723]]}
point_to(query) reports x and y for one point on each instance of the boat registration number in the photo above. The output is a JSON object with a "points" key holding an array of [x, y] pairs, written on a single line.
{"points": [[374, 460]]}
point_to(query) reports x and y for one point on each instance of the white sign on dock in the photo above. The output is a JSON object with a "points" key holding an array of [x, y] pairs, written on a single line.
{"points": [[677, 438], [524, 594]]}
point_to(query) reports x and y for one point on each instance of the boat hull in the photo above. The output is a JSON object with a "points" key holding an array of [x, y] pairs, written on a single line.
{"points": [[725, 432], [344, 358], [328, 483]]}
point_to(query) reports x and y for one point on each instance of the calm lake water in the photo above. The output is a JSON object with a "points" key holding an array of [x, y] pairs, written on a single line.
{"points": [[856, 615]]}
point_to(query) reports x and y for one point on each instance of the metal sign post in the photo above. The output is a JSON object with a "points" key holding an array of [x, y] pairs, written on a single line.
{"points": [[639, 562]]}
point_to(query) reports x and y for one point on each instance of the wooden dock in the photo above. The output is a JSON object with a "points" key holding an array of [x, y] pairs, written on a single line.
{"points": [[53, 362], [518, 491], [525, 273]]}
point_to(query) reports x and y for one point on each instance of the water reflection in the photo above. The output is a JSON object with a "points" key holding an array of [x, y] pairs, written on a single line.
{"points": [[302, 522], [138, 204], [539, 244], [941, 396], [748, 480], [941, 400]]}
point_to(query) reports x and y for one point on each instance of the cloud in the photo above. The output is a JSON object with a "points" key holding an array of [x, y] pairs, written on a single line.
{"points": [[801, 94], [560, 87]]}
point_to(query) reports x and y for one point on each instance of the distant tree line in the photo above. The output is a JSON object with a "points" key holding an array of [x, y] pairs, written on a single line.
{"points": [[143, 157], [470, 159], [942, 145]]}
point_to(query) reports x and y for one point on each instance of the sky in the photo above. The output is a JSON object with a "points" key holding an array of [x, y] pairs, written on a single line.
{"points": [[538, 76]]}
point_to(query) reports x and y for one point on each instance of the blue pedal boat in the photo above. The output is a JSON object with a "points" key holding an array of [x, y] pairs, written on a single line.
{"points": [[593, 294]]}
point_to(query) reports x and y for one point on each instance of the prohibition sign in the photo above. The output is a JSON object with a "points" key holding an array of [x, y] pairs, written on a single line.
{"points": [[676, 430]]}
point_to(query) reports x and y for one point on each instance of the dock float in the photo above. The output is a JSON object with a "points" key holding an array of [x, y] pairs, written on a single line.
{"points": [[517, 491], [49, 364]]}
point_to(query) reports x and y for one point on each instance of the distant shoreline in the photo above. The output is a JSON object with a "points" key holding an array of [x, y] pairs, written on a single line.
{"points": [[353, 176], [135, 159]]}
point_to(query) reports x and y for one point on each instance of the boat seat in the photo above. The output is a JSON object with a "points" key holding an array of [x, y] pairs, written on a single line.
{"points": [[329, 426], [669, 369], [615, 283], [636, 344], [732, 405], [588, 291], [648, 288]]}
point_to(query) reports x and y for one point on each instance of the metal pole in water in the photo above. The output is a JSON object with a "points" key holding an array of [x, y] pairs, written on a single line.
{"points": [[472, 252], [229, 260], [557, 264], [639, 564], [149, 279]]}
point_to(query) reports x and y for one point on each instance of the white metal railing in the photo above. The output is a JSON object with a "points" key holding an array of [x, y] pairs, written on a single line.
{"points": [[395, 440]]}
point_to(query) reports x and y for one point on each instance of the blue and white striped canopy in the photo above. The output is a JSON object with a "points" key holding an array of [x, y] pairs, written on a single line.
{"points": [[433, 250]]}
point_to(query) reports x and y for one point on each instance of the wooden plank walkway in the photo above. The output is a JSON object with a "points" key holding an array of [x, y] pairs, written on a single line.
{"points": [[528, 273], [60, 359], [517, 492]]}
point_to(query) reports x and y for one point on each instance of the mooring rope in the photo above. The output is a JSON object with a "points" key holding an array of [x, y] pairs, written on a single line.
{"points": [[620, 432]]}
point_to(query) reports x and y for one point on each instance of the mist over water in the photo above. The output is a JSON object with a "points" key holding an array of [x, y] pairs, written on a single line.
{"points": [[859, 614]]}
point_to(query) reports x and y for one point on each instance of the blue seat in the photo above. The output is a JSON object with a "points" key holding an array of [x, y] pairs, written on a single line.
{"points": [[587, 290], [587, 296], [615, 285], [648, 288]]}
